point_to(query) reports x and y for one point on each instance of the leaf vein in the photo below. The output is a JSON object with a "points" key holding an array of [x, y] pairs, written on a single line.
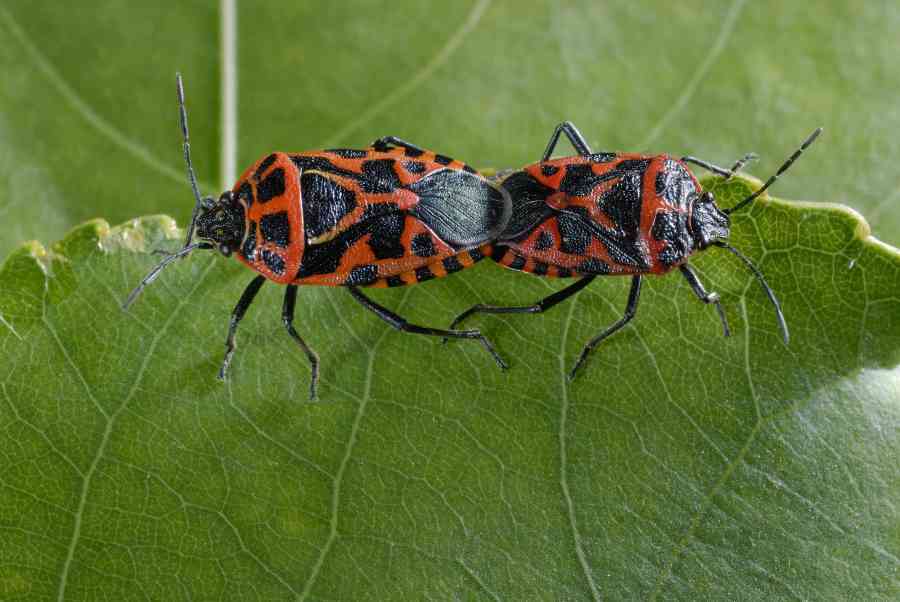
{"points": [[82, 108], [110, 423]]}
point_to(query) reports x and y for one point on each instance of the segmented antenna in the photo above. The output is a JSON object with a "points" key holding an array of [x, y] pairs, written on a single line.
{"points": [[780, 171], [151, 276], [762, 281], [188, 246], [182, 114], [739, 164]]}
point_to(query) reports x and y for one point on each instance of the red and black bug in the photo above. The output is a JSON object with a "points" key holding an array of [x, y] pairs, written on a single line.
{"points": [[601, 214], [389, 215]]}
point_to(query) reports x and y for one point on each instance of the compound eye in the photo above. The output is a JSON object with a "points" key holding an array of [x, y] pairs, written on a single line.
{"points": [[207, 203], [224, 250]]}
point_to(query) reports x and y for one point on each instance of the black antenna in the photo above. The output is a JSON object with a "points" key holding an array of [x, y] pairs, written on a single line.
{"points": [[780, 171], [739, 164], [188, 247], [762, 281], [182, 114], [151, 276]]}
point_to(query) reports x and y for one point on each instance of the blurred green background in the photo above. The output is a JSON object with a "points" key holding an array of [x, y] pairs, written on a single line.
{"points": [[680, 466], [88, 118]]}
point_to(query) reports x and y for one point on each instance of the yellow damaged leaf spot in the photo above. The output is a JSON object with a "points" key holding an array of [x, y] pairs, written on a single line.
{"points": [[13, 584], [139, 234]]}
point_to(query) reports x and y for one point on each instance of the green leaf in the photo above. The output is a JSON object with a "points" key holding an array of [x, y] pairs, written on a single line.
{"points": [[679, 465]]}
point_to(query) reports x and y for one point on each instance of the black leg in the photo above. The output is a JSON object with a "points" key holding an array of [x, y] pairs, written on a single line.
{"points": [[287, 317], [574, 136], [383, 143], [539, 307], [633, 296], [726, 173], [236, 316], [707, 298], [401, 324]]}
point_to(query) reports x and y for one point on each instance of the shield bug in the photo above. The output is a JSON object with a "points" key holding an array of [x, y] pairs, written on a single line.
{"points": [[598, 214], [391, 214]]}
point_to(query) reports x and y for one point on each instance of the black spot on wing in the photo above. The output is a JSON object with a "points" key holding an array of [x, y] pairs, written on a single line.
{"points": [[314, 162], [348, 153], [423, 274], [544, 241], [476, 255], [452, 264], [393, 281], [580, 179], [272, 186], [443, 159], [379, 176], [319, 163], [622, 203], [414, 166], [266, 164], [576, 230], [549, 170], [672, 227], [422, 245], [575, 235], [633, 165], [273, 261], [412, 152], [325, 203], [324, 258], [385, 233], [469, 169], [593, 266], [362, 275], [248, 248], [529, 206], [539, 269], [517, 263], [498, 252], [462, 209], [379, 210], [563, 272], [276, 228]]}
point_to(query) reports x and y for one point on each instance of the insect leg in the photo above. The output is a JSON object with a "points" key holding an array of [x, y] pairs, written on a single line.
{"points": [[726, 173], [707, 298], [383, 143], [574, 136], [287, 317], [401, 324], [633, 296], [539, 307], [236, 316]]}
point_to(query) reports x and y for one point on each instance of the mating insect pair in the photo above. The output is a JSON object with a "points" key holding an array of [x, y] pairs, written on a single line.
{"points": [[394, 214]]}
